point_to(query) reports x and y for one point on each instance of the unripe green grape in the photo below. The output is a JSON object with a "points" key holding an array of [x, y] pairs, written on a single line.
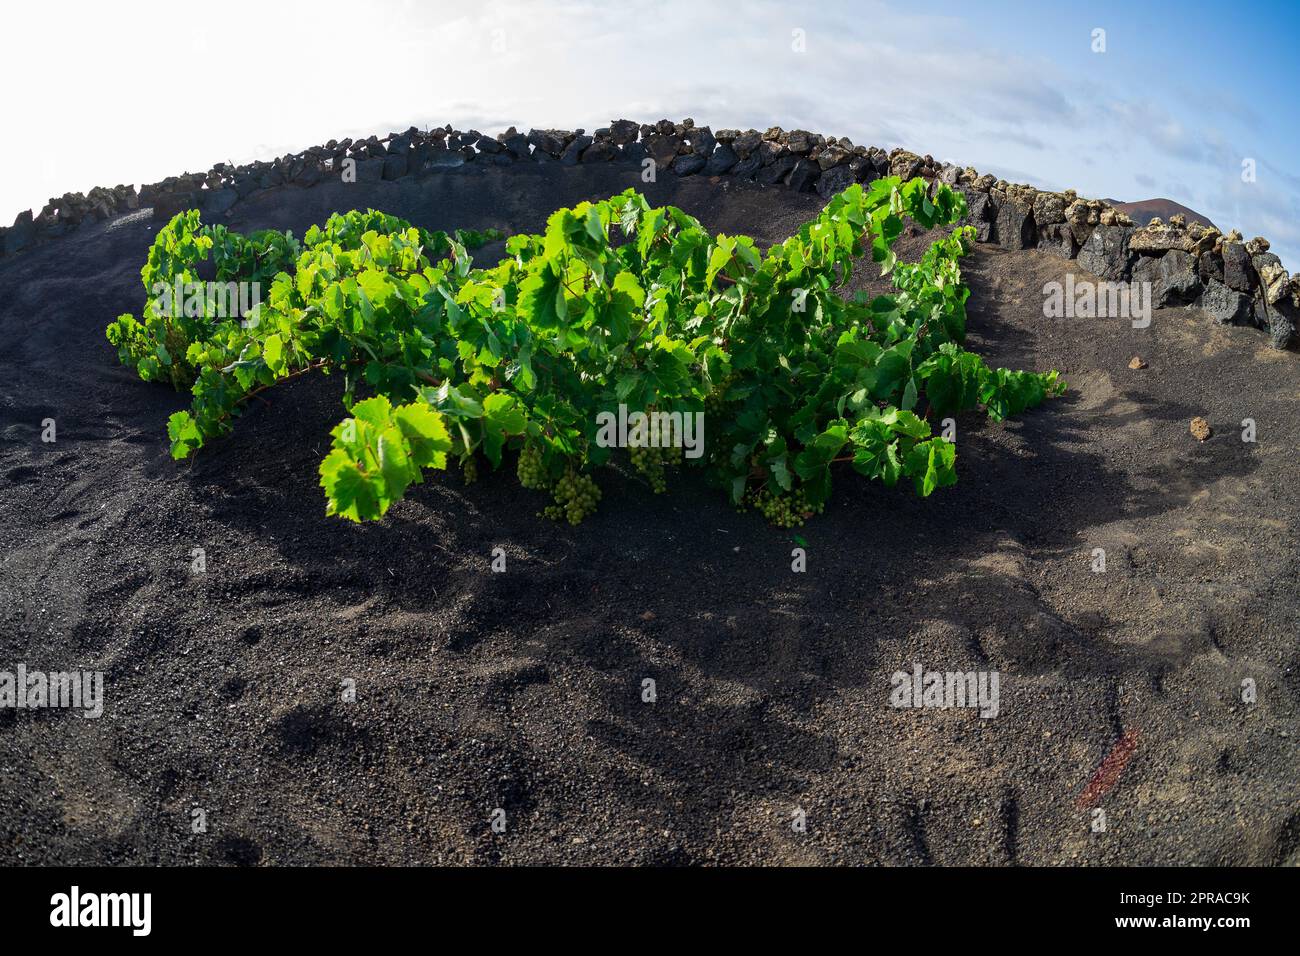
{"points": [[575, 496], [529, 469], [650, 463]]}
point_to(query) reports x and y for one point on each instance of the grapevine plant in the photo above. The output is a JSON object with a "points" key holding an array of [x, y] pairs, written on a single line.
{"points": [[616, 303]]}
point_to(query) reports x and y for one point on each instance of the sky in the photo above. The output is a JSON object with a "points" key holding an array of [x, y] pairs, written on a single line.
{"points": [[1184, 98]]}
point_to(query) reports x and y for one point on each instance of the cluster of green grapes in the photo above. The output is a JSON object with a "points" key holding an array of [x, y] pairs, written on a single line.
{"points": [[650, 462], [576, 495], [714, 402], [530, 471], [469, 469], [783, 509]]}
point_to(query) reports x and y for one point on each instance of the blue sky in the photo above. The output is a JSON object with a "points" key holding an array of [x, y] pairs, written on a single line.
{"points": [[1181, 96]]}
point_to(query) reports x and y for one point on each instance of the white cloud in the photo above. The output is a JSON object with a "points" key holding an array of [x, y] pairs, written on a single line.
{"points": [[138, 91]]}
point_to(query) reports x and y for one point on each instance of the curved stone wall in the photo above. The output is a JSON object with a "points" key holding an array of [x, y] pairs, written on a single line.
{"points": [[1235, 281]]}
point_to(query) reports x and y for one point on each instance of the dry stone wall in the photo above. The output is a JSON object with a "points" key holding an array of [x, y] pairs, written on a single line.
{"points": [[1235, 281]]}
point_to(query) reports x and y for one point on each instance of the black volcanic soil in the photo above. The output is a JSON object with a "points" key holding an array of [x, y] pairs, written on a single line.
{"points": [[523, 690]]}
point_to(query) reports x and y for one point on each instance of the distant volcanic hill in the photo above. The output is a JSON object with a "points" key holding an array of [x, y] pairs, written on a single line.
{"points": [[1144, 210]]}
